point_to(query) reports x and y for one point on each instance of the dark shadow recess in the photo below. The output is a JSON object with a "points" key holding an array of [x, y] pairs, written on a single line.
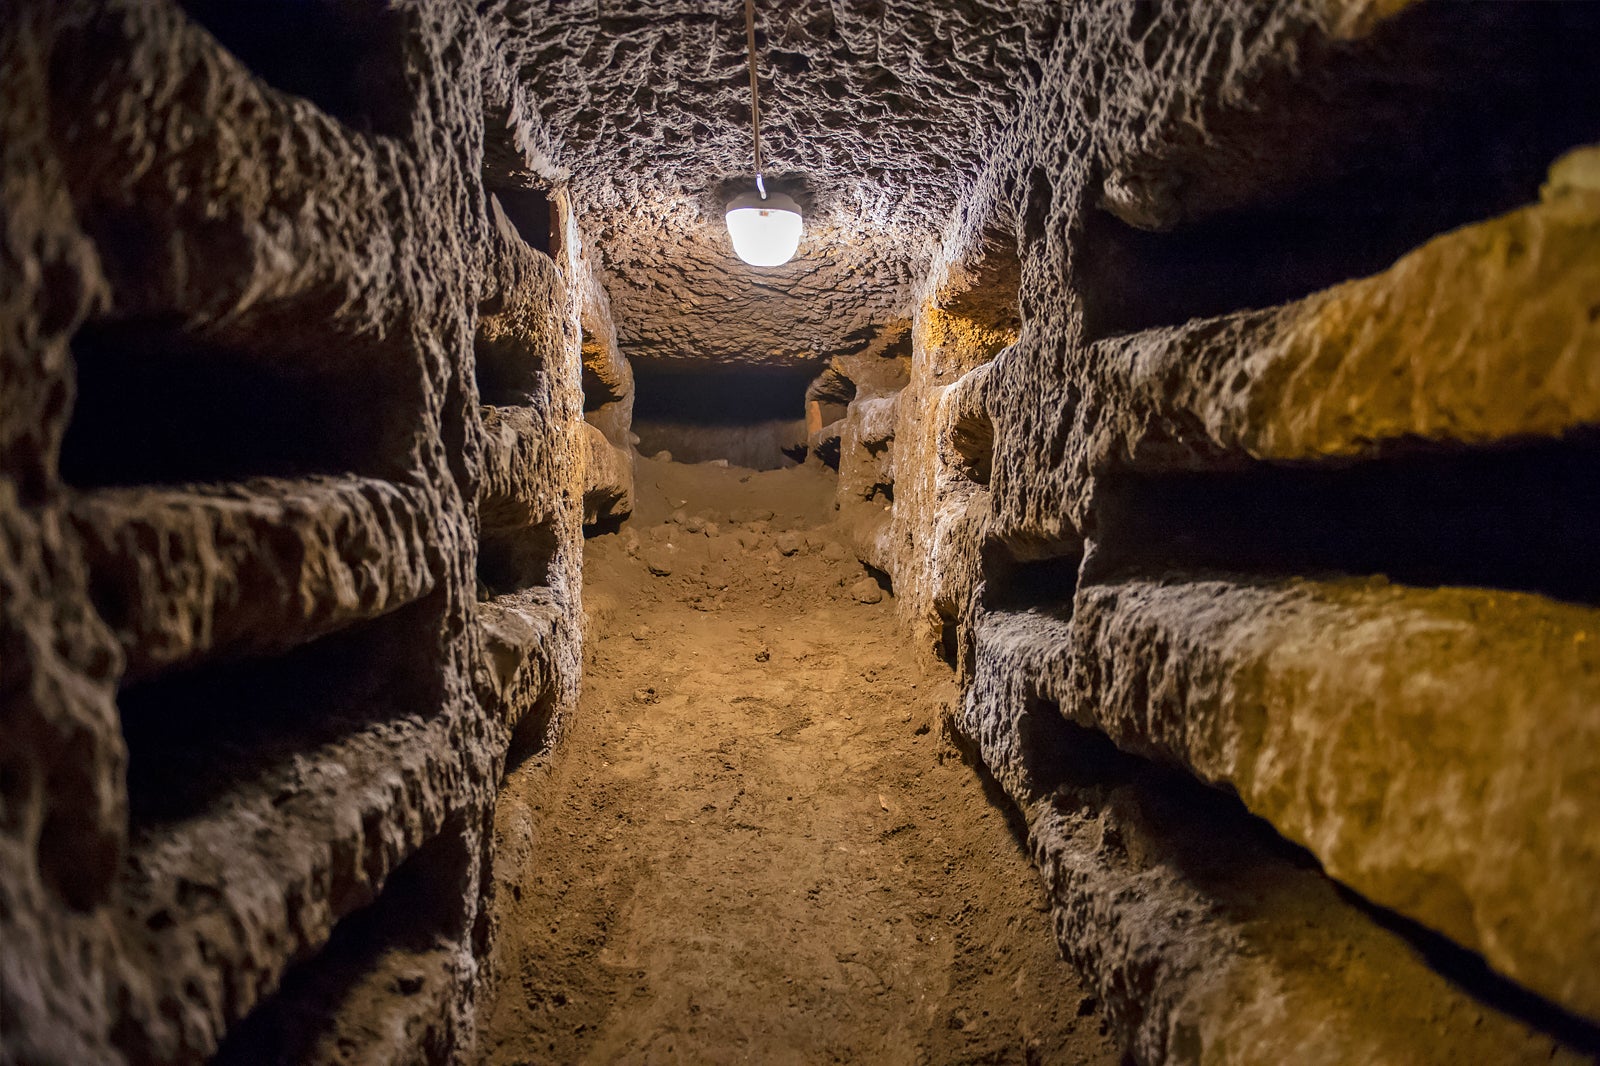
{"points": [[1011, 583], [598, 392], [972, 442], [155, 405], [532, 215], [195, 737], [1523, 517], [1236, 859], [530, 737], [1440, 149], [720, 397], [346, 56], [510, 560], [407, 938]]}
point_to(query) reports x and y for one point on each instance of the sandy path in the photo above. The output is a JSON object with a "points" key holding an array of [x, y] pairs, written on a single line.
{"points": [[756, 845]]}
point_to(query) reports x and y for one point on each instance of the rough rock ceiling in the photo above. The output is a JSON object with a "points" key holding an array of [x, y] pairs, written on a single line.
{"points": [[874, 115]]}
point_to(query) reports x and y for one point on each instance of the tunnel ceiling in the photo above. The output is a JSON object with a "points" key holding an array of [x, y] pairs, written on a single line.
{"points": [[874, 115]]}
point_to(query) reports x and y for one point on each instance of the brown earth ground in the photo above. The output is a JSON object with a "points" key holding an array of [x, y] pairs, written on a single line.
{"points": [[755, 842]]}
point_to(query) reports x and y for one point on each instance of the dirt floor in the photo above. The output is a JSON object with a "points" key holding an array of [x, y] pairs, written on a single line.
{"points": [[755, 843]]}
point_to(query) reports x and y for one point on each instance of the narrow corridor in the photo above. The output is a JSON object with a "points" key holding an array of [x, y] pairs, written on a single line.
{"points": [[756, 842]]}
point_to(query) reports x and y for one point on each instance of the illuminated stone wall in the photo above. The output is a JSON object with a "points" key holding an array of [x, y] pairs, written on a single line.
{"points": [[292, 470], [1247, 476]]}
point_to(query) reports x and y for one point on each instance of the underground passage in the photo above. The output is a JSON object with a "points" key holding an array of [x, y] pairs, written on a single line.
{"points": [[835, 531]]}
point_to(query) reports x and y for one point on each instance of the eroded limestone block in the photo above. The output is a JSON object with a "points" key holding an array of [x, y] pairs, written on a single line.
{"points": [[873, 420], [1481, 335], [298, 720], [186, 575], [522, 325], [607, 478], [1208, 939], [525, 637], [866, 448], [292, 222], [215, 908], [61, 763], [518, 486], [940, 503], [1437, 750]]}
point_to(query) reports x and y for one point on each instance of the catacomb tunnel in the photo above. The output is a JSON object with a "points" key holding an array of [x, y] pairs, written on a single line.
{"points": [[1123, 590]]}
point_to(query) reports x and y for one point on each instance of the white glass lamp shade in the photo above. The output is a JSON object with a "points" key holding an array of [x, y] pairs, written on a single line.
{"points": [[765, 233]]}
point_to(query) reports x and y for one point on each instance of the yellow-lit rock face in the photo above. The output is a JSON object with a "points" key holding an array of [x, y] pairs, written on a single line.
{"points": [[1576, 173], [939, 503], [1484, 334], [1169, 535], [1224, 947], [1356, 18], [1438, 750], [607, 477], [942, 486]]}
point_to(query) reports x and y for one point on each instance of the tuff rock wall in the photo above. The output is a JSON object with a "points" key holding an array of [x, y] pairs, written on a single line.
{"points": [[1245, 468], [1238, 452], [293, 464]]}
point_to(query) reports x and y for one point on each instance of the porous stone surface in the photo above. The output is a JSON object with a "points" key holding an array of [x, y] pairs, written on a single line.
{"points": [[608, 388], [1268, 288], [525, 636], [521, 324], [217, 906], [1207, 941], [607, 477], [516, 450], [930, 538], [183, 576], [1435, 749], [939, 526], [657, 146], [1214, 131], [1484, 334], [254, 714], [866, 442]]}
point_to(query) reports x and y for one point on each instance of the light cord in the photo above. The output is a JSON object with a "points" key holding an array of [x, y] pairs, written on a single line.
{"points": [[755, 91]]}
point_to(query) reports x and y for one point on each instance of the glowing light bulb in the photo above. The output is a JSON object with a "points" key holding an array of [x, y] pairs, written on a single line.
{"points": [[765, 232]]}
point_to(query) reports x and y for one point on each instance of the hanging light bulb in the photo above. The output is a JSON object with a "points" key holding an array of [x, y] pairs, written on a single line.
{"points": [[765, 229]]}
